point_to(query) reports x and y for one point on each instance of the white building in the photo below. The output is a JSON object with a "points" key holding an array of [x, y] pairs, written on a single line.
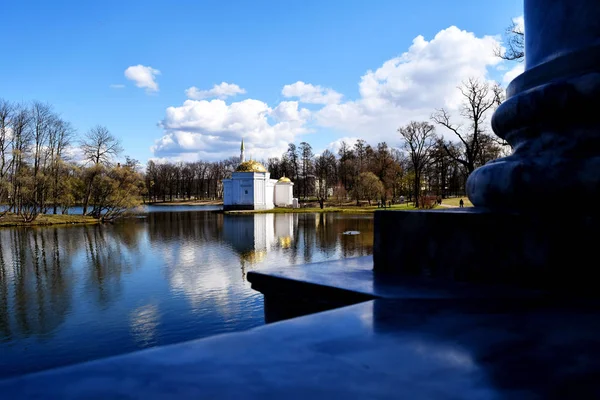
{"points": [[284, 192], [251, 187]]}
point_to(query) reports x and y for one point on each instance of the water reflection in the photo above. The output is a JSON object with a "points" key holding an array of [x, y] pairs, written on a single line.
{"points": [[35, 282], [70, 294], [109, 255], [253, 236], [144, 324]]}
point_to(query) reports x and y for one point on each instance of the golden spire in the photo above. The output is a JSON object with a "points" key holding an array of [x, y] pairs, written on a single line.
{"points": [[242, 148]]}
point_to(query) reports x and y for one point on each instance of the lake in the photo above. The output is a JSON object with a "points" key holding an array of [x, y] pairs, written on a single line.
{"points": [[77, 293]]}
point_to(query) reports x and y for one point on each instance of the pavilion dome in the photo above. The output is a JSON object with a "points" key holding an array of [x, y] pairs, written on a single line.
{"points": [[251, 166], [284, 179]]}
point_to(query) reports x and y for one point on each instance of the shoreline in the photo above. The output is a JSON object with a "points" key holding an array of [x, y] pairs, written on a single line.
{"points": [[12, 220], [186, 203], [332, 209]]}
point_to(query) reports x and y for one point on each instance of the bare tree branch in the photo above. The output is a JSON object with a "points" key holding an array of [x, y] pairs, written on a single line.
{"points": [[514, 40], [479, 99], [419, 140]]}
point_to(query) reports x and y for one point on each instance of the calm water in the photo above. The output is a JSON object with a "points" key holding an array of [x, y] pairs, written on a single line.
{"points": [[71, 294]]}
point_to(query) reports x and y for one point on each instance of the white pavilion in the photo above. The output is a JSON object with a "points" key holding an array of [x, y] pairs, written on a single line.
{"points": [[251, 188]]}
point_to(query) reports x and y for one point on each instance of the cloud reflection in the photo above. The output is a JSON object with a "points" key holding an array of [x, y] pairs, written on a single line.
{"points": [[144, 322]]}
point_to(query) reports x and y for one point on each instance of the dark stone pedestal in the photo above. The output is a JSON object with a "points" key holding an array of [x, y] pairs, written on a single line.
{"points": [[551, 251], [550, 115]]}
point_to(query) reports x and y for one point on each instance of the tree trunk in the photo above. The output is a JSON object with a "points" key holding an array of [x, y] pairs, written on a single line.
{"points": [[417, 183], [86, 198]]}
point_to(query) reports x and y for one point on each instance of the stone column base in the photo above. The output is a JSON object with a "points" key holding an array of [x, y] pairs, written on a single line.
{"points": [[556, 251]]}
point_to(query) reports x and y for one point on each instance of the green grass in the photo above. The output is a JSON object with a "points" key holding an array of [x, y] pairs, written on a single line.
{"points": [[454, 201], [46, 219], [333, 209]]}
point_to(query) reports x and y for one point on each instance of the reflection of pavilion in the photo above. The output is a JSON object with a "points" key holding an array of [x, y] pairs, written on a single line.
{"points": [[252, 236]]}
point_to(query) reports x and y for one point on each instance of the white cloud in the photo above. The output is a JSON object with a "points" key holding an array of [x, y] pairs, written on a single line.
{"points": [[290, 111], [336, 145], [511, 74], [143, 77], [75, 154], [408, 87], [308, 93], [413, 85], [220, 91], [116, 86], [520, 23], [211, 130]]}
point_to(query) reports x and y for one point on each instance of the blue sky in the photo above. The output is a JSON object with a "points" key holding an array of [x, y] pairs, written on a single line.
{"points": [[70, 53]]}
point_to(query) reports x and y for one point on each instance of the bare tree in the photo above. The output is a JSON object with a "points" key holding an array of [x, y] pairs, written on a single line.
{"points": [[419, 140], [514, 40], [99, 147], [360, 154], [499, 97], [477, 102], [59, 137], [42, 118], [325, 171], [6, 115], [345, 170], [21, 138], [384, 166], [293, 159], [307, 166]]}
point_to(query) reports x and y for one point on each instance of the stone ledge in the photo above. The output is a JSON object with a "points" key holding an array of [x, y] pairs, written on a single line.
{"points": [[291, 292], [376, 349], [355, 277]]}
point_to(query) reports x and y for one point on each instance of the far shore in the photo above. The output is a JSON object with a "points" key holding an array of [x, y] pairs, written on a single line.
{"points": [[12, 220], [327, 209]]}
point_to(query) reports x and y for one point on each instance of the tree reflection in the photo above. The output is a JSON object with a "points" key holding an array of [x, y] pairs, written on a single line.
{"points": [[327, 235], [356, 245], [37, 276], [198, 226], [110, 254], [36, 281], [5, 328]]}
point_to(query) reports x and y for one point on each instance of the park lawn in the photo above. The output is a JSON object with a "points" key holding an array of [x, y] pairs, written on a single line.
{"points": [[333, 209], [454, 201], [11, 219]]}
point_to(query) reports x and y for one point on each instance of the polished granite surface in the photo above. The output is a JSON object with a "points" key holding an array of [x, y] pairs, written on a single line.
{"points": [[356, 275], [376, 349]]}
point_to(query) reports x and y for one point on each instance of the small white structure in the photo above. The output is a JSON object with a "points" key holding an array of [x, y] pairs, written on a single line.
{"points": [[251, 188], [284, 192]]}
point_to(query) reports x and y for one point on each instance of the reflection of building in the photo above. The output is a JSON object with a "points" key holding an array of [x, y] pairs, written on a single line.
{"points": [[251, 187], [252, 236]]}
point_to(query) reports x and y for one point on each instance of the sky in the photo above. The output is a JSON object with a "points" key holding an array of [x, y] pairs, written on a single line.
{"points": [[187, 80]]}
